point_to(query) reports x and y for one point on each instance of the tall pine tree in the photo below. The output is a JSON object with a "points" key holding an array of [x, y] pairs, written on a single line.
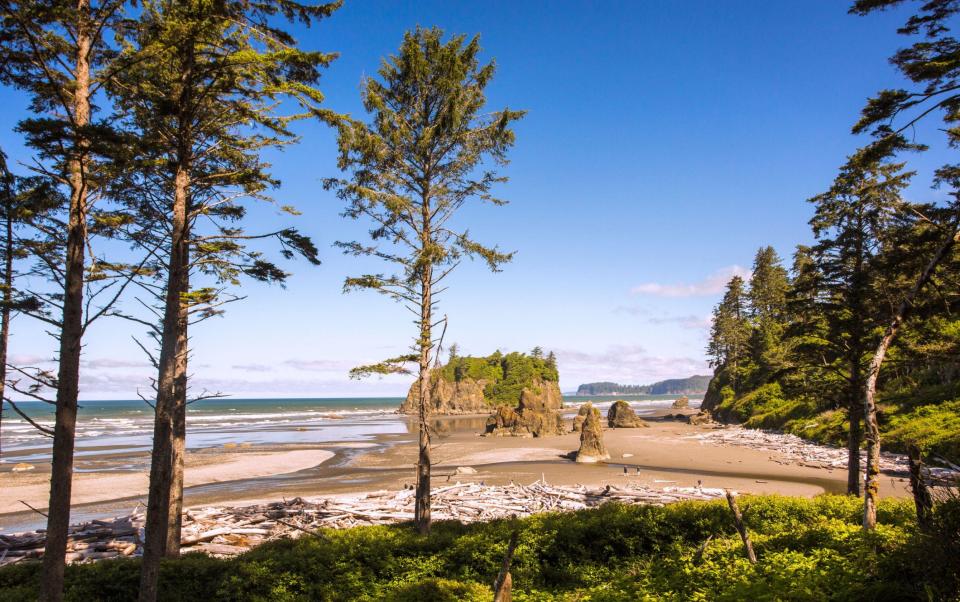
{"points": [[202, 98], [427, 151]]}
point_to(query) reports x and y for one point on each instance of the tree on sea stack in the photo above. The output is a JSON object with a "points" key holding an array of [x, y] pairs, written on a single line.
{"points": [[427, 151]]}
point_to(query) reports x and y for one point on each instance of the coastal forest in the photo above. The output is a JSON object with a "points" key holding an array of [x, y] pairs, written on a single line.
{"points": [[694, 385], [149, 130]]}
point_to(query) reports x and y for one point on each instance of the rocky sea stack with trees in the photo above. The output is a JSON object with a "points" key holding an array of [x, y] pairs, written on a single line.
{"points": [[477, 385]]}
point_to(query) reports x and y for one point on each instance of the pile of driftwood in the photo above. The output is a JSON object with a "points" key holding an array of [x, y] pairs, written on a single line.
{"points": [[225, 531], [95, 540], [798, 451]]}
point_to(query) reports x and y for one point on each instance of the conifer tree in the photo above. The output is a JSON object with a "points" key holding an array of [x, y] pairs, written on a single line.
{"points": [[58, 52], [202, 98], [768, 312], [932, 65], [23, 201], [730, 333], [427, 150], [850, 223]]}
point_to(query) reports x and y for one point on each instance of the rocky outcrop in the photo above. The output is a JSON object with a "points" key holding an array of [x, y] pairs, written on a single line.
{"points": [[581, 416], [699, 418], [537, 415], [466, 396], [622, 416], [524, 422], [591, 438], [681, 403], [448, 397]]}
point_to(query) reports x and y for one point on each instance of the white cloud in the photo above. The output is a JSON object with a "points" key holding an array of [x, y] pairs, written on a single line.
{"points": [[627, 364], [690, 322], [107, 362], [711, 285]]}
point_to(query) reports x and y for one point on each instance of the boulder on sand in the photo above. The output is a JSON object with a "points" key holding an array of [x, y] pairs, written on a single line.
{"points": [[699, 418], [591, 438], [622, 416], [681, 403]]}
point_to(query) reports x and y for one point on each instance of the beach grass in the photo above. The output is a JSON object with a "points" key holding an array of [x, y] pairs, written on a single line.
{"points": [[808, 549]]}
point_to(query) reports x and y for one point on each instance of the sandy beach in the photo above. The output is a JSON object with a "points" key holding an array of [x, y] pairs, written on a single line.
{"points": [[32, 487], [667, 453]]}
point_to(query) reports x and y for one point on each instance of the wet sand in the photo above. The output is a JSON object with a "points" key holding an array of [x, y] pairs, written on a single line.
{"points": [[657, 456]]}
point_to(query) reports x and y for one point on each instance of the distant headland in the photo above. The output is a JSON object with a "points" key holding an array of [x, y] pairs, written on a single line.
{"points": [[694, 385]]}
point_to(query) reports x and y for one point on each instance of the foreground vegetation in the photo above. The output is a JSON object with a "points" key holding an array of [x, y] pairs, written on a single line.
{"points": [[807, 549]]}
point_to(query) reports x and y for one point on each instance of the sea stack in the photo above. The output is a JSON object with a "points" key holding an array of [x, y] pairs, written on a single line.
{"points": [[682, 403], [622, 416], [591, 438], [581, 416], [538, 415]]}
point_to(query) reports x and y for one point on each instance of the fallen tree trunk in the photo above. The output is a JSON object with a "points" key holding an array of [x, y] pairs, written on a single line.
{"points": [[741, 528]]}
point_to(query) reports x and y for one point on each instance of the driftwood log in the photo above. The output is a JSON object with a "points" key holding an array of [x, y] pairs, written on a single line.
{"points": [[795, 451], [741, 528], [504, 583]]}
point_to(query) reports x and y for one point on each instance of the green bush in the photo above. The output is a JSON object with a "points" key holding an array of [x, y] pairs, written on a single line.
{"points": [[808, 549], [934, 428]]}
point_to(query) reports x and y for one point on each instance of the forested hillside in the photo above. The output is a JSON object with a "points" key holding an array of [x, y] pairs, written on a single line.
{"points": [[791, 348], [859, 342]]}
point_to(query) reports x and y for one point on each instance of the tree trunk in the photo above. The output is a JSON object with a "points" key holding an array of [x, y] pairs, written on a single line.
{"points": [[71, 333], [855, 433], [175, 525], [503, 586], [5, 311], [161, 465], [859, 318], [741, 528], [872, 479], [922, 499], [422, 508]]}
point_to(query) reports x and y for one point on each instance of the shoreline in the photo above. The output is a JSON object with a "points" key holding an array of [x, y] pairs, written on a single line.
{"points": [[668, 453]]}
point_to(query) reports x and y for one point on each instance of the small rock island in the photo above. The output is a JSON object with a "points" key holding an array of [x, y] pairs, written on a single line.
{"points": [[520, 390]]}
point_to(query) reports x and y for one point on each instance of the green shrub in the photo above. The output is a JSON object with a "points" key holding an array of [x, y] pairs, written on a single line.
{"points": [[808, 549], [934, 428]]}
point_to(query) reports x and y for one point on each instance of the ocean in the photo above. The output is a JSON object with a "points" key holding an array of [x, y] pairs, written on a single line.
{"points": [[115, 437], [112, 427]]}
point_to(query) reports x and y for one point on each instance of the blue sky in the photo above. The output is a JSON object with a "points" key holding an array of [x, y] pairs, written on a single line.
{"points": [[664, 143]]}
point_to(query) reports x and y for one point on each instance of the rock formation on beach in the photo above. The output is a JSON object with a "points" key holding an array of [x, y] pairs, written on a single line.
{"points": [[681, 403], [622, 416], [537, 415], [591, 438], [478, 385], [449, 397], [581, 416]]}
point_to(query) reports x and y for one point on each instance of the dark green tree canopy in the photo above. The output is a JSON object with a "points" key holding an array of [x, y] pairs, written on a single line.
{"points": [[427, 150]]}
